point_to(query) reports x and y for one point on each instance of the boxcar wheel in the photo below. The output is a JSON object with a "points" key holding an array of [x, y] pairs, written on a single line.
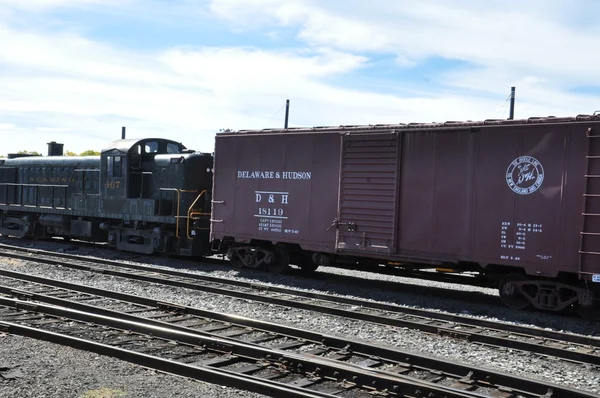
{"points": [[281, 263], [588, 307], [510, 293], [308, 266], [236, 261], [588, 313]]}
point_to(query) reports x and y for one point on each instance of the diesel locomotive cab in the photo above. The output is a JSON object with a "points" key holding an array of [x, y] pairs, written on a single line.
{"points": [[155, 195]]}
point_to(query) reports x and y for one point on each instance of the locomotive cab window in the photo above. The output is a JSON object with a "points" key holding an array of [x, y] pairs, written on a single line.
{"points": [[114, 166], [136, 157], [117, 167], [151, 147], [172, 148]]}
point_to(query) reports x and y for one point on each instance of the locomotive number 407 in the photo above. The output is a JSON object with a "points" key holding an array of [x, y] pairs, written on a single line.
{"points": [[112, 184]]}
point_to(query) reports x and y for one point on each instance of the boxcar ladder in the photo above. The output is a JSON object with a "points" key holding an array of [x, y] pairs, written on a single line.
{"points": [[589, 252]]}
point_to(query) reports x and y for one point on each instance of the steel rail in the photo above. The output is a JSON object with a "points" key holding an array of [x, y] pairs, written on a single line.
{"points": [[475, 330], [201, 373], [461, 372], [369, 380]]}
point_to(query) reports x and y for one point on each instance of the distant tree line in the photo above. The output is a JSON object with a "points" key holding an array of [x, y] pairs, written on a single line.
{"points": [[89, 152]]}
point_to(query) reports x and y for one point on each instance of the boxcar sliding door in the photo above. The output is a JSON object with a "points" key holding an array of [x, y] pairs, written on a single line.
{"points": [[368, 191]]}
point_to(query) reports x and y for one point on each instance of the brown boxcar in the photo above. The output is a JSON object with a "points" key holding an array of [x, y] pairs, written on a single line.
{"points": [[516, 200]]}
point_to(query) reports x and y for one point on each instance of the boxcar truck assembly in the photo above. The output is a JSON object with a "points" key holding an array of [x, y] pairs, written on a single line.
{"points": [[517, 201]]}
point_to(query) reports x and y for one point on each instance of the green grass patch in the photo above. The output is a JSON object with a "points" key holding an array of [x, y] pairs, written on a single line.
{"points": [[104, 393]]}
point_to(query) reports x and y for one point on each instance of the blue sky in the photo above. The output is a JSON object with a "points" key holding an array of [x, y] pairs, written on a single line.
{"points": [[75, 71]]}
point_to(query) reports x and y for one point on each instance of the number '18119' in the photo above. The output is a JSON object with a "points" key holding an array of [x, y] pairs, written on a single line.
{"points": [[267, 211]]}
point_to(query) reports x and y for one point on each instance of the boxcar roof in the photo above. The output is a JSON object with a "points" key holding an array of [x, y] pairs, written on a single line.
{"points": [[425, 126]]}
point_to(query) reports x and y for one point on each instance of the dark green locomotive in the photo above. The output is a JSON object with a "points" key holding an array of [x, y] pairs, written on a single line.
{"points": [[147, 195]]}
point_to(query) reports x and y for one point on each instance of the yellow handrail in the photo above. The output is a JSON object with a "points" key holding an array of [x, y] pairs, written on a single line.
{"points": [[190, 213], [177, 216]]}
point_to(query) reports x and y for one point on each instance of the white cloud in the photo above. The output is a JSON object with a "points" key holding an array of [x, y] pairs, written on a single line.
{"points": [[59, 85], [41, 5], [529, 38], [67, 82]]}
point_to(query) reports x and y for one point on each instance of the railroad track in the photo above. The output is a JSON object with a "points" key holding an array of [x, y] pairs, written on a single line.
{"points": [[280, 360], [570, 347], [324, 276], [461, 279]]}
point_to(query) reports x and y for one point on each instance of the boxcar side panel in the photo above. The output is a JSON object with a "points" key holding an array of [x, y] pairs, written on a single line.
{"points": [[521, 198], [435, 193], [279, 188], [416, 194]]}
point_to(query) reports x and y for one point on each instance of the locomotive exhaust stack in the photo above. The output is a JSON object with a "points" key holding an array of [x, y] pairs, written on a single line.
{"points": [[55, 149]]}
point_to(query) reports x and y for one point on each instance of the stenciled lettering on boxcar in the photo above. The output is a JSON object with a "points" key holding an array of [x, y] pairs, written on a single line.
{"points": [[275, 175], [271, 211], [525, 175], [514, 237], [271, 206]]}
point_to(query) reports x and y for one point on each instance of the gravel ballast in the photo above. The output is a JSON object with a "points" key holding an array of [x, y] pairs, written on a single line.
{"points": [[506, 360], [40, 369]]}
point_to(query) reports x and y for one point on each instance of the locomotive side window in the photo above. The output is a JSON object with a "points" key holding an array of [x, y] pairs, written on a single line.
{"points": [[117, 167], [172, 148], [114, 166], [151, 147], [136, 157]]}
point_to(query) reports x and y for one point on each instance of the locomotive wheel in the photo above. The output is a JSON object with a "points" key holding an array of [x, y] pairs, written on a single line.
{"points": [[510, 294], [281, 262]]}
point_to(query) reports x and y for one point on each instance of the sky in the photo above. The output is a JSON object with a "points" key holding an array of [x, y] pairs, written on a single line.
{"points": [[76, 71]]}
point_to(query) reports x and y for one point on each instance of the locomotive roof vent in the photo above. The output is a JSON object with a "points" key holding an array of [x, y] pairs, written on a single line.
{"points": [[55, 149]]}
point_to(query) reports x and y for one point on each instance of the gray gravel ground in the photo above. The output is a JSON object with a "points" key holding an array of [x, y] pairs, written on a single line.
{"points": [[32, 368], [511, 361]]}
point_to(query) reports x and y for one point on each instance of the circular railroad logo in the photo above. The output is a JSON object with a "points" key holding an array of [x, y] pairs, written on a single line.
{"points": [[525, 175]]}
